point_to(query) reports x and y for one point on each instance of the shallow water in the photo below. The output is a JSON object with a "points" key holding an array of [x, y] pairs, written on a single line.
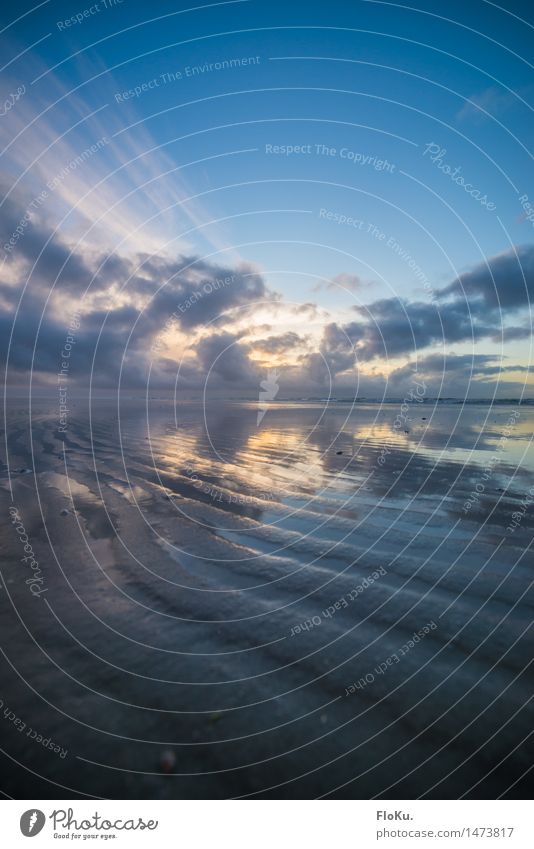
{"points": [[208, 589]]}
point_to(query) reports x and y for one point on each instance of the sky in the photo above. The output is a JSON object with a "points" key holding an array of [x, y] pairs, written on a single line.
{"points": [[335, 198]]}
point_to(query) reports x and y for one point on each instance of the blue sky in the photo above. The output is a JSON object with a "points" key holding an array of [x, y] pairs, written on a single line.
{"points": [[312, 150]]}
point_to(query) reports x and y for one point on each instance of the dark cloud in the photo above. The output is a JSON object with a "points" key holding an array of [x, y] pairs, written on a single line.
{"points": [[394, 327], [223, 355], [509, 334], [458, 375], [134, 301], [145, 294], [203, 294], [336, 355], [26, 239], [279, 344], [473, 307], [503, 282]]}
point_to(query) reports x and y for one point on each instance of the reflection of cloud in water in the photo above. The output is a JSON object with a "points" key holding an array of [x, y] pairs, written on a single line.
{"points": [[203, 591]]}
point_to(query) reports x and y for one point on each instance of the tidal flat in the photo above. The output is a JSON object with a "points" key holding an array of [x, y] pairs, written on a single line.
{"points": [[226, 609]]}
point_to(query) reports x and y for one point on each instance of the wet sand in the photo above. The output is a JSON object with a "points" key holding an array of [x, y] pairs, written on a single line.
{"points": [[206, 589]]}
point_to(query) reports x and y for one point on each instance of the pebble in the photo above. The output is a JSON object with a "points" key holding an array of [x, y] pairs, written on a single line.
{"points": [[167, 761]]}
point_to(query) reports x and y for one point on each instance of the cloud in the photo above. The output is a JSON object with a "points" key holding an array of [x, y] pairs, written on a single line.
{"points": [[163, 313], [336, 355], [393, 327], [279, 344], [513, 332], [128, 302], [436, 365], [493, 101], [350, 282], [504, 281], [224, 356], [458, 375], [472, 307]]}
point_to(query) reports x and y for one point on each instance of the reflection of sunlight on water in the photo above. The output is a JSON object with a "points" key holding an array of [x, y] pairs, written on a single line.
{"points": [[272, 461], [268, 440], [379, 432], [133, 493], [289, 440], [293, 464], [175, 450], [515, 450], [298, 454], [69, 486]]}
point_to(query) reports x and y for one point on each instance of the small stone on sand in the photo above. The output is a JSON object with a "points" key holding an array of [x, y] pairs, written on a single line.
{"points": [[215, 717], [167, 761]]}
